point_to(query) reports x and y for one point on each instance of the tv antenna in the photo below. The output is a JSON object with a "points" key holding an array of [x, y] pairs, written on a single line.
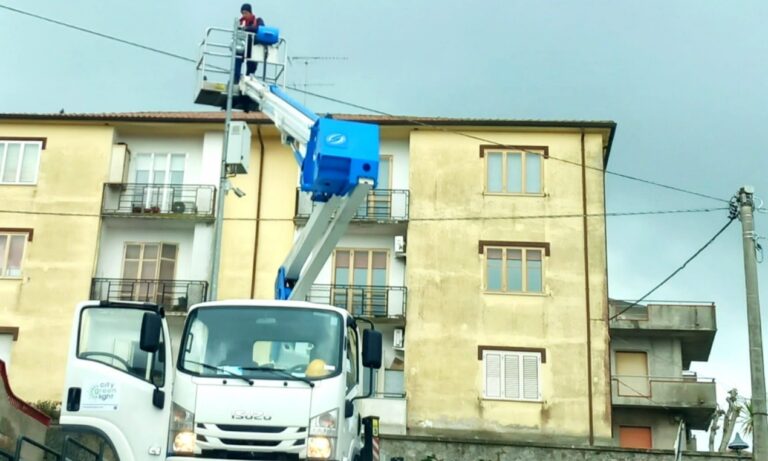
{"points": [[306, 60]]}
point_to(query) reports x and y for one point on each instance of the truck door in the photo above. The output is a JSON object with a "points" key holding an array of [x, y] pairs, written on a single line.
{"points": [[113, 386]]}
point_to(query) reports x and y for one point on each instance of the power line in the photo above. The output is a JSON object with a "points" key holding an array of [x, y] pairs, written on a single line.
{"points": [[368, 109], [98, 34], [468, 218], [498, 144], [731, 218]]}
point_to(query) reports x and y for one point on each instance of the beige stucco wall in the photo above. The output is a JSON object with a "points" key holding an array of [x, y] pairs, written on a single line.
{"points": [[449, 316], [276, 227], [58, 262]]}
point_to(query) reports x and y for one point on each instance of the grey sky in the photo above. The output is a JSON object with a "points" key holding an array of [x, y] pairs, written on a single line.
{"points": [[684, 80]]}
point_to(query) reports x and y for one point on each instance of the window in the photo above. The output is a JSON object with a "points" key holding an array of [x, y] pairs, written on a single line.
{"points": [[154, 263], [158, 173], [351, 359], [359, 279], [514, 269], [511, 375], [111, 336], [11, 253], [19, 161], [635, 437], [632, 374], [513, 171]]}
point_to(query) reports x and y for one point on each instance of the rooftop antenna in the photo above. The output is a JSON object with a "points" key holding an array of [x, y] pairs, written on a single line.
{"points": [[306, 60]]}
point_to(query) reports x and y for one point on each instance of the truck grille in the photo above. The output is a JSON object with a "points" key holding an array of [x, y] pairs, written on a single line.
{"points": [[236, 441]]}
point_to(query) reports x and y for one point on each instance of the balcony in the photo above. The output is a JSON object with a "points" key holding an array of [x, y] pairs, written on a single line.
{"points": [[174, 295], [381, 206], [692, 397], [362, 300], [179, 201], [693, 323]]}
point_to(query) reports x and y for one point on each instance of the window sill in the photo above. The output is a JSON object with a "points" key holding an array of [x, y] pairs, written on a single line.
{"points": [[14, 278], [514, 194], [516, 293], [498, 399], [27, 184]]}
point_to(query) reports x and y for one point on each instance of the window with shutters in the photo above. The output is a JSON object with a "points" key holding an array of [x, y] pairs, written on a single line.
{"points": [[19, 161], [512, 375]]}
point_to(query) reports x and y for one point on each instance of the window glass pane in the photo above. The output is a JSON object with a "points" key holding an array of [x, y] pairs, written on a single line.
{"points": [[131, 269], [534, 271], [514, 172], [493, 269], [167, 269], [12, 155], [384, 167], [379, 260], [150, 251], [360, 276], [111, 336], [532, 173], [29, 163], [514, 270], [177, 162], [494, 172], [361, 260], [379, 277], [132, 251], [148, 270], [15, 253], [160, 162], [169, 251], [342, 259], [2, 156], [3, 242], [394, 382], [341, 276], [158, 177]]}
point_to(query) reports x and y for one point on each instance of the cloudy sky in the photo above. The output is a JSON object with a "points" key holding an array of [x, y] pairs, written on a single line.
{"points": [[684, 80]]}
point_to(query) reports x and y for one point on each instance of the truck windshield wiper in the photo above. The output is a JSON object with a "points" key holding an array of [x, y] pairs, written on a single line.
{"points": [[215, 368], [282, 372]]}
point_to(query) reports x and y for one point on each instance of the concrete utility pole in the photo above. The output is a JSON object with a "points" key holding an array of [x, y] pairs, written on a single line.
{"points": [[759, 415], [223, 181]]}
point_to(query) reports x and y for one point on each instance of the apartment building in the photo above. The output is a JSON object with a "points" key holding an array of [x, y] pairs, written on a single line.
{"points": [[481, 256], [653, 389]]}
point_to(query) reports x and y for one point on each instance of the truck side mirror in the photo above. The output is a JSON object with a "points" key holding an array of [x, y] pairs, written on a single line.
{"points": [[151, 327], [372, 349]]}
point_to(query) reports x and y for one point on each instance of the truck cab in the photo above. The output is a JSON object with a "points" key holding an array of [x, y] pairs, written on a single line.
{"points": [[272, 380]]}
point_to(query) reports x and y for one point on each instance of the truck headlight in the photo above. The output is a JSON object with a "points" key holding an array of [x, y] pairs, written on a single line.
{"points": [[181, 436], [323, 429]]}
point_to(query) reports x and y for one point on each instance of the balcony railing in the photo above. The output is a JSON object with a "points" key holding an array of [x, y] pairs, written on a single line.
{"points": [[692, 396], [159, 200], [382, 205], [173, 295], [362, 300]]}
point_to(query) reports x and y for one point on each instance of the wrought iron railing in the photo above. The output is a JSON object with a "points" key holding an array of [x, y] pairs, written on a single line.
{"points": [[159, 200], [362, 300], [174, 295], [381, 205]]}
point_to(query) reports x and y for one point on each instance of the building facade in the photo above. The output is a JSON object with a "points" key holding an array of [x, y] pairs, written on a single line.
{"points": [[480, 255]]}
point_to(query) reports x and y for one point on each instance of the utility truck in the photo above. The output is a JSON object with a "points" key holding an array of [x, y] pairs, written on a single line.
{"points": [[270, 379]]}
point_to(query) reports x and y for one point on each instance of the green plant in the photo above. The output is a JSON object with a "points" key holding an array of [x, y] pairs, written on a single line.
{"points": [[51, 408]]}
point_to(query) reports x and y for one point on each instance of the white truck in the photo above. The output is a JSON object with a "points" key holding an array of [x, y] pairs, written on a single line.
{"points": [[251, 380]]}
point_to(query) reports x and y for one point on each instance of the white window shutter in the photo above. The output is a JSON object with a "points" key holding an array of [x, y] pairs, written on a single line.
{"points": [[493, 375], [512, 376], [530, 377]]}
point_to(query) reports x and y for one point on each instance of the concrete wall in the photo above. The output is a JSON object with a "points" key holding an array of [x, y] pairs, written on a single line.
{"points": [[59, 259], [664, 354], [449, 315], [18, 418], [408, 448]]}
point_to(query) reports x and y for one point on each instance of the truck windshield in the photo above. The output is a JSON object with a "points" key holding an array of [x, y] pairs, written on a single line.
{"points": [[255, 341]]}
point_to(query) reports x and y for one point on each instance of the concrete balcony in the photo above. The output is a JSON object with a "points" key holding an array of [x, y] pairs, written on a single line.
{"points": [[390, 410], [384, 206], [174, 295], [177, 201], [363, 300], [691, 397], [693, 323]]}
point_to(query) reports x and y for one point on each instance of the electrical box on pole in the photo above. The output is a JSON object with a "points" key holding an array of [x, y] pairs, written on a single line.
{"points": [[238, 148]]}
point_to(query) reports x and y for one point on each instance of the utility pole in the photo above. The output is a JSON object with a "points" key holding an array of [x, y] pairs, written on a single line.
{"points": [[759, 415], [223, 181]]}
